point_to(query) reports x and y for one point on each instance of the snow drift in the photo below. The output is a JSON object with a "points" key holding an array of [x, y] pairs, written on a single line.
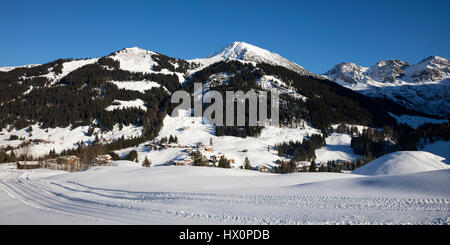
{"points": [[403, 162]]}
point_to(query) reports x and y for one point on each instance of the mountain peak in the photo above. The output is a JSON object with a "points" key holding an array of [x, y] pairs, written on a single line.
{"points": [[135, 50], [422, 86], [433, 58], [237, 50], [134, 59], [395, 63], [243, 51]]}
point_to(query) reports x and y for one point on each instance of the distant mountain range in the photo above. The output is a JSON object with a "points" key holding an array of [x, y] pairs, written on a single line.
{"points": [[94, 88], [424, 86]]}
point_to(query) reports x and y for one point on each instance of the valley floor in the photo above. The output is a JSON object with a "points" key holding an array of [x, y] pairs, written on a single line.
{"points": [[129, 194]]}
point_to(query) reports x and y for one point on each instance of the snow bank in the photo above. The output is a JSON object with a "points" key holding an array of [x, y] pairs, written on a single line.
{"points": [[403, 162]]}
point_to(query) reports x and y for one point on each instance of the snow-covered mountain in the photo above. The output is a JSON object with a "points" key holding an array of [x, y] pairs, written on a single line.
{"points": [[247, 52], [124, 95], [118, 104], [424, 86]]}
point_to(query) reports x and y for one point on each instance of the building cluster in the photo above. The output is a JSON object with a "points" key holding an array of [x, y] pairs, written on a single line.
{"points": [[199, 148], [66, 163]]}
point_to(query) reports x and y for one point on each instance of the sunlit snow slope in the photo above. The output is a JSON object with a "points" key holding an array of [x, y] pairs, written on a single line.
{"points": [[128, 194]]}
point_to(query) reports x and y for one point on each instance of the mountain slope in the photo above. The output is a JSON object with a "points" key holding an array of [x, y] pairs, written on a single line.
{"points": [[424, 86], [247, 52], [123, 98]]}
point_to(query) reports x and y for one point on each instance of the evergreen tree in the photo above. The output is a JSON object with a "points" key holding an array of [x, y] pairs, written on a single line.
{"points": [[147, 163], [313, 167], [114, 156], [132, 156], [96, 140], [247, 164], [223, 163]]}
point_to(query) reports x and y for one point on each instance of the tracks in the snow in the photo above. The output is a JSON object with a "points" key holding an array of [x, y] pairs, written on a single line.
{"points": [[325, 202], [120, 206]]}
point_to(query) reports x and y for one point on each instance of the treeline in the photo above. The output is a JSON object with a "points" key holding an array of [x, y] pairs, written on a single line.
{"points": [[170, 140], [301, 151], [373, 143], [5, 157], [166, 62], [243, 132], [431, 133]]}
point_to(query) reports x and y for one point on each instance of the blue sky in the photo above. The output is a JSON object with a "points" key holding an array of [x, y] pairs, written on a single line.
{"points": [[314, 34]]}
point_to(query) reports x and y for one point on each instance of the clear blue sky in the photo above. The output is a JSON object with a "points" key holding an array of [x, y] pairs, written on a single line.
{"points": [[314, 34]]}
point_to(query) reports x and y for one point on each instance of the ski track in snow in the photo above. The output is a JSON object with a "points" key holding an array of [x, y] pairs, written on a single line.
{"points": [[128, 207]]}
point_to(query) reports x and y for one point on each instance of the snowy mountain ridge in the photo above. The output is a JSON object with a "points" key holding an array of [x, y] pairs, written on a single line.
{"points": [[247, 52], [423, 86]]}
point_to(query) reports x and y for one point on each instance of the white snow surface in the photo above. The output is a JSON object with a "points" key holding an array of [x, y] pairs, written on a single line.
{"points": [[403, 162], [61, 139], [70, 66], [440, 148], [140, 86], [123, 104], [135, 59], [337, 148], [268, 82], [416, 121], [130, 194], [10, 68]]}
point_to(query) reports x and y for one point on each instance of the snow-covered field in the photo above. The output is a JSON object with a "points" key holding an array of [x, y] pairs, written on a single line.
{"points": [[337, 148], [130, 194]]}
